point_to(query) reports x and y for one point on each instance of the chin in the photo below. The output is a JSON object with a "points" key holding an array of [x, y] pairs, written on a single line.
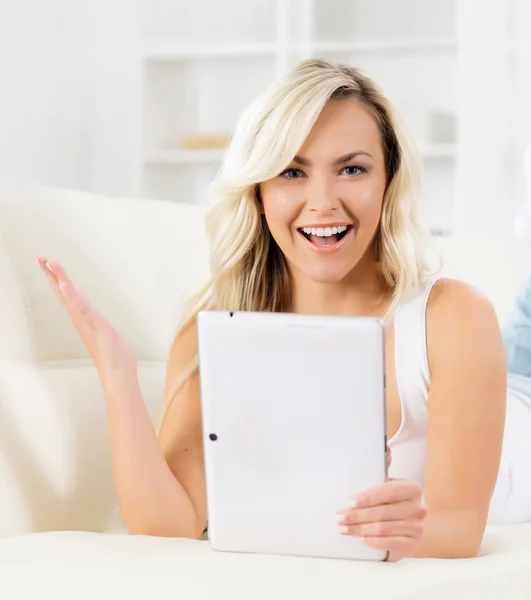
{"points": [[327, 274]]}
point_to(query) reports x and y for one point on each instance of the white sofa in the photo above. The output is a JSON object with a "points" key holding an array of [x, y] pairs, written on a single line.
{"points": [[136, 259]]}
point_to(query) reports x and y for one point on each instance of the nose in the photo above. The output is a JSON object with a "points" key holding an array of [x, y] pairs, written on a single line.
{"points": [[321, 195]]}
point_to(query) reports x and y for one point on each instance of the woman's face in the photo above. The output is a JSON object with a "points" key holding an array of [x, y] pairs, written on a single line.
{"points": [[324, 209]]}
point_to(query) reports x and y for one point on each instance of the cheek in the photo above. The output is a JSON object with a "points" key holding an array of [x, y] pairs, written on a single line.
{"points": [[280, 208], [369, 201]]}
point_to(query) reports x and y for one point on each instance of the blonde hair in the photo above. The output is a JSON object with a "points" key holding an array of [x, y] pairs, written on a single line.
{"points": [[248, 271]]}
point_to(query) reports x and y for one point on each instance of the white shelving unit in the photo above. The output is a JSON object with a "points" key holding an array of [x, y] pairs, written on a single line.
{"points": [[203, 62]]}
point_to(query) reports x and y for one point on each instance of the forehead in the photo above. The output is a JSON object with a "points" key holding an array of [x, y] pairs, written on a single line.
{"points": [[343, 126]]}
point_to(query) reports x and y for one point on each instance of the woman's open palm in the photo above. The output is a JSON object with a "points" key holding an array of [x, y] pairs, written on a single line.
{"points": [[108, 350]]}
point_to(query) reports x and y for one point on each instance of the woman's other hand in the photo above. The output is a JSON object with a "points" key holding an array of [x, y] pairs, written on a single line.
{"points": [[388, 517], [108, 350]]}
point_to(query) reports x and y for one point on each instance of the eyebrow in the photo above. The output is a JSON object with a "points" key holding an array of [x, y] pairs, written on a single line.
{"points": [[341, 160]]}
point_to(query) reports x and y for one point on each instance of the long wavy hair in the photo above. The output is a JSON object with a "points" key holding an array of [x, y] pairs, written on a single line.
{"points": [[248, 271]]}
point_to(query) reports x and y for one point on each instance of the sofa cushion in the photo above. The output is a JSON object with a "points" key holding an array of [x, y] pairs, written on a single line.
{"points": [[136, 260], [85, 566], [482, 262]]}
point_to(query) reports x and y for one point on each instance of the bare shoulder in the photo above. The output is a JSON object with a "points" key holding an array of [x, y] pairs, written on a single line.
{"points": [[182, 393], [181, 432], [458, 298], [462, 320], [466, 406], [184, 346]]}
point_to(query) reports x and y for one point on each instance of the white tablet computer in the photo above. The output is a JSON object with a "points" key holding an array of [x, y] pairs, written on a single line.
{"points": [[293, 426]]}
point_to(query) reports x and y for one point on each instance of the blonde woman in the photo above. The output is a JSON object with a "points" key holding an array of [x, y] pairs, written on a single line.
{"points": [[316, 211]]}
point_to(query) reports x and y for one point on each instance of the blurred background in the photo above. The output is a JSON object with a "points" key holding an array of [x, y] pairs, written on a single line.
{"points": [[137, 97]]}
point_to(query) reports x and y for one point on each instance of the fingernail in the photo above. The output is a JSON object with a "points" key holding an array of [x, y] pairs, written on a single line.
{"points": [[343, 530], [340, 518], [48, 266], [352, 504]]}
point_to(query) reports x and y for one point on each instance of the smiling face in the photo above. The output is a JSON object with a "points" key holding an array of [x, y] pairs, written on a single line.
{"points": [[324, 209]]}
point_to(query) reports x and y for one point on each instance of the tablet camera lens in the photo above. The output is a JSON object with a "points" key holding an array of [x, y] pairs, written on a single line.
{"points": [[213, 437]]}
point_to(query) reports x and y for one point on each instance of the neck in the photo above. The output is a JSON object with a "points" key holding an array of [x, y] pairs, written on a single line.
{"points": [[363, 292]]}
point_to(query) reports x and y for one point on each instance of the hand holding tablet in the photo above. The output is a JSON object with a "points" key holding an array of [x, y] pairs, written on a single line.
{"points": [[294, 426]]}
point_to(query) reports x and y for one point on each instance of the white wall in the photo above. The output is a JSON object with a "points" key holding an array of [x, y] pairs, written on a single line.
{"points": [[63, 76], [44, 116]]}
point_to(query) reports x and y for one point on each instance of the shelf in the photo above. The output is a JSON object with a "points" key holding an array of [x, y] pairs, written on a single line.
{"points": [[184, 156], [157, 52], [406, 46]]}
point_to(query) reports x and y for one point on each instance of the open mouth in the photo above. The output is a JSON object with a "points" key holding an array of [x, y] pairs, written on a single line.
{"points": [[325, 237]]}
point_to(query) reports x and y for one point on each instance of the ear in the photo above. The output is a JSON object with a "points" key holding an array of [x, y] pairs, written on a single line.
{"points": [[259, 199]]}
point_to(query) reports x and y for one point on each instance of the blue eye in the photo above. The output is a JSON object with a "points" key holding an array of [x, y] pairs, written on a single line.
{"points": [[353, 170], [291, 174]]}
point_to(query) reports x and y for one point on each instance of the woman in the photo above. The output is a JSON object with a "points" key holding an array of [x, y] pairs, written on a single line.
{"points": [[316, 211]]}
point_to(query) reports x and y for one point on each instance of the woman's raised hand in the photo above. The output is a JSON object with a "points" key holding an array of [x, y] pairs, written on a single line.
{"points": [[111, 355]]}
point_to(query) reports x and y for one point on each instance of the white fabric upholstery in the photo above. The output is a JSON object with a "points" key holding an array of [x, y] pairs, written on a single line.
{"points": [[484, 264], [85, 566], [135, 260]]}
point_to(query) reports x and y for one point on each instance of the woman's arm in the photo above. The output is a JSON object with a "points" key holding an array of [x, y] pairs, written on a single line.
{"points": [[157, 496], [181, 433], [160, 482], [466, 419], [152, 500]]}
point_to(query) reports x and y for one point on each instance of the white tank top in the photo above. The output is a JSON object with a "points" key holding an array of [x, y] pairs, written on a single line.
{"points": [[409, 444]]}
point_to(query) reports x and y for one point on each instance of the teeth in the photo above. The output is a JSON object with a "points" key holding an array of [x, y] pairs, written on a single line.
{"points": [[324, 231]]}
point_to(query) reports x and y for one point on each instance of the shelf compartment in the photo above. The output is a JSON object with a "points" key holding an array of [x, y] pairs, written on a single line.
{"points": [[438, 197], [178, 183], [198, 96], [381, 19], [210, 22], [397, 75]]}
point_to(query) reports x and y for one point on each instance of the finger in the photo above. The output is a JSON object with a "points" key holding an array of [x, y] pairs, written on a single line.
{"points": [[52, 279], [43, 263], [73, 300], [404, 528], [388, 457], [78, 307], [58, 270], [385, 512], [390, 492]]}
